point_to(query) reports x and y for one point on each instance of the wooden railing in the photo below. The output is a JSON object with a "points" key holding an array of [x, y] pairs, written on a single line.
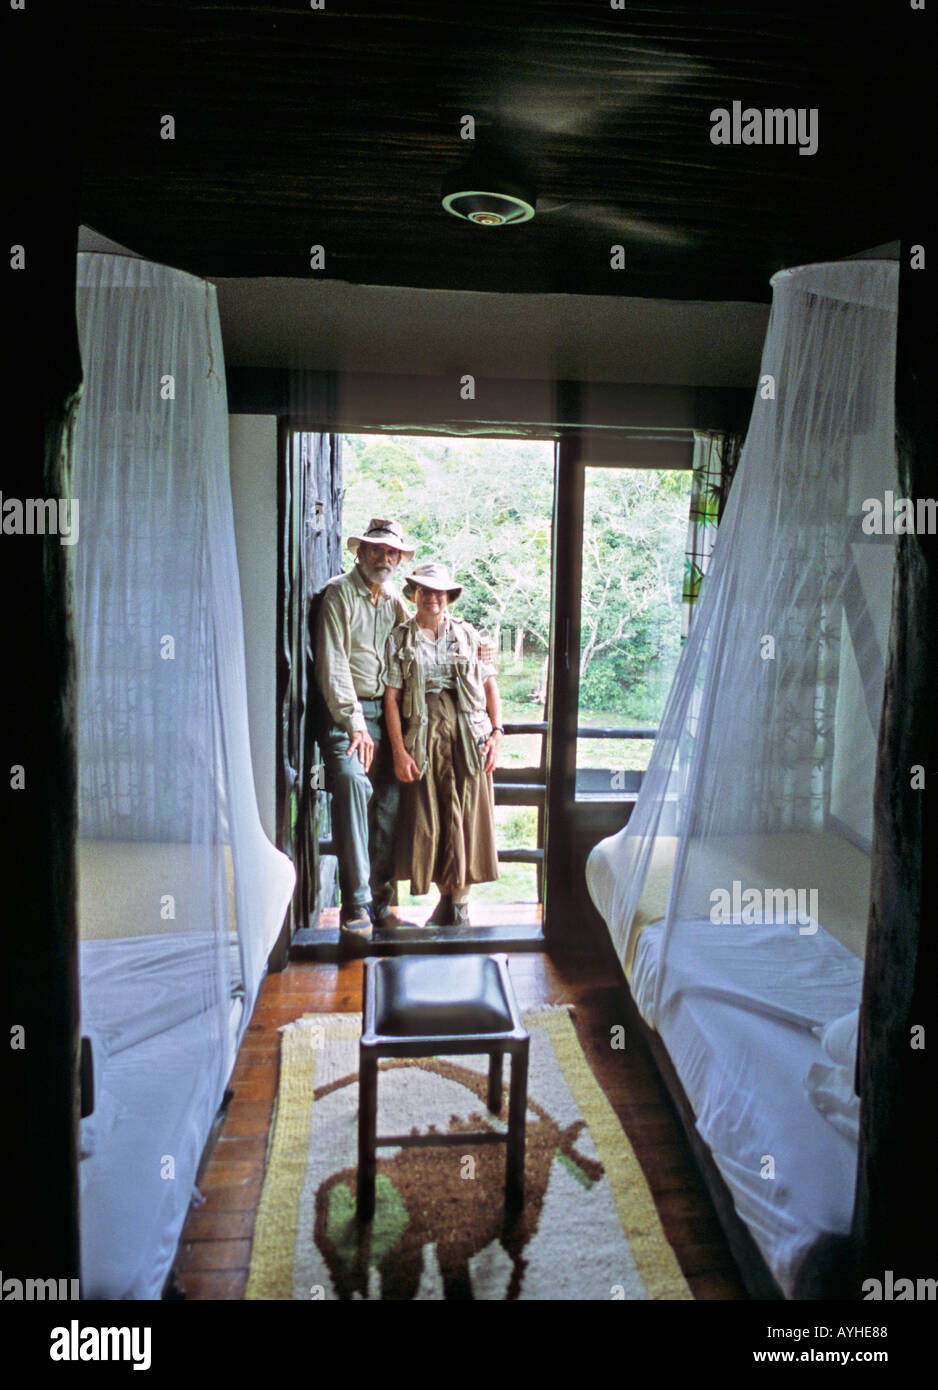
{"points": [[526, 786]]}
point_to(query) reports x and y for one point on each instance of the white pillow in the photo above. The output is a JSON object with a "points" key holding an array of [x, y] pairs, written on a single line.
{"points": [[832, 1094], [839, 1039]]}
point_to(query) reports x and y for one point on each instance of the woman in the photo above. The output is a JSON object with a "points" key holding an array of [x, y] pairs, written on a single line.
{"points": [[444, 722]]}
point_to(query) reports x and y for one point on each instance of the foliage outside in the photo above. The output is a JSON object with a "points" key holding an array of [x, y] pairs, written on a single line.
{"points": [[484, 508]]}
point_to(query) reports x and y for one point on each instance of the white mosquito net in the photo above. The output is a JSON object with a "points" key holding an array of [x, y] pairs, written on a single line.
{"points": [[737, 895], [181, 895]]}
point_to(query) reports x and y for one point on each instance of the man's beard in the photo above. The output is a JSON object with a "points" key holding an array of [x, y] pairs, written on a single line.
{"points": [[377, 573]]}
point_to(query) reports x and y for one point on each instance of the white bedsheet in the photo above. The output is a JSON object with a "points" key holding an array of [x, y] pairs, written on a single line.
{"points": [[738, 1006], [148, 1004], [136, 1188], [135, 987]]}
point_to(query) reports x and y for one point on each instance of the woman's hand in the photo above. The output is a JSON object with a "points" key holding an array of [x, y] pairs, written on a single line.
{"points": [[490, 750], [405, 767]]}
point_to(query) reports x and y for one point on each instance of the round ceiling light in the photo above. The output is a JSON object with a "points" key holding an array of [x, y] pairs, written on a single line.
{"points": [[489, 209]]}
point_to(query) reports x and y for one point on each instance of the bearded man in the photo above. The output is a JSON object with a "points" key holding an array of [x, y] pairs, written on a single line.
{"points": [[357, 612]]}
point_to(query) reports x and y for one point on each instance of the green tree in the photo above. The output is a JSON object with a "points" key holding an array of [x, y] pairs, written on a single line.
{"points": [[484, 507], [635, 524]]}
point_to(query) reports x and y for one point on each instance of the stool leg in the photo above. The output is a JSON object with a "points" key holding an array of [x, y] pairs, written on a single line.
{"points": [[367, 1131], [517, 1109], [496, 1058]]}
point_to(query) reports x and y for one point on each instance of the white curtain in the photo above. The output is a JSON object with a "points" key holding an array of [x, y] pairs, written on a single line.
{"points": [[181, 895]]}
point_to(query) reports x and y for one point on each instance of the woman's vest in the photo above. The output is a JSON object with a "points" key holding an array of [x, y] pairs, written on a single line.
{"points": [[462, 652]]}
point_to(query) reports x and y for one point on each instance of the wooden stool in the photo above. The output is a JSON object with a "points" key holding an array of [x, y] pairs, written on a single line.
{"points": [[425, 1006]]}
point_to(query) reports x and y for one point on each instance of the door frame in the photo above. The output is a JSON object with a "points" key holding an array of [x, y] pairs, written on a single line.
{"points": [[292, 710], [569, 829]]}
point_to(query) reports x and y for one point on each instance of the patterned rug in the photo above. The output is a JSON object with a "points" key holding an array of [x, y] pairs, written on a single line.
{"points": [[589, 1229]]}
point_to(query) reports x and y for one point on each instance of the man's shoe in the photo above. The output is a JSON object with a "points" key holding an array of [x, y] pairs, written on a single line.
{"points": [[355, 924], [442, 914], [461, 915], [356, 918]]}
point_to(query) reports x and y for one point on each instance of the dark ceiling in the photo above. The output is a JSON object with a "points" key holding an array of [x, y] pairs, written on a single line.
{"points": [[296, 126]]}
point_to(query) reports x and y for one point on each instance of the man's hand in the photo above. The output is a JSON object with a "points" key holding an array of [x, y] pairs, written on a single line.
{"points": [[490, 751], [364, 745], [405, 768]]}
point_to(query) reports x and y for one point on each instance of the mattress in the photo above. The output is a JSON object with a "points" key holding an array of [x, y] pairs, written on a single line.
{"points": [[824, 859], [138, 987], [157, 1099], [738, 1007], [164, 1016], [122, 884], [162, 1001]]}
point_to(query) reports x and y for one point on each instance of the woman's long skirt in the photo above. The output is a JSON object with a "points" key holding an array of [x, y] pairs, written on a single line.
{"points": [[447, 824]]}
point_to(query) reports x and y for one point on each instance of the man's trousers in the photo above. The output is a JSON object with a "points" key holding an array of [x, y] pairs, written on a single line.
{"points": [[364, 812]]}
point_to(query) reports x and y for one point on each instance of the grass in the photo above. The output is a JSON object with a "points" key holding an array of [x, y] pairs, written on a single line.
{"points": [[615, 754]]}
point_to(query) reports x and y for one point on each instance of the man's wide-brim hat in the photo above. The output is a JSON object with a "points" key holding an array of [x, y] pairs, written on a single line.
{"points": [[431, 576], [380, 532]]}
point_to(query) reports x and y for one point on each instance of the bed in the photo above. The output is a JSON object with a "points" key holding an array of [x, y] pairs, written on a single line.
{"points": [[742, 936], [743, 1013], [152, 990], [181, 895]]}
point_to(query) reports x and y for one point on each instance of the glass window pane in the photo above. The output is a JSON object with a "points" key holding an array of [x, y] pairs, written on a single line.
{"points": [[634, 537]]}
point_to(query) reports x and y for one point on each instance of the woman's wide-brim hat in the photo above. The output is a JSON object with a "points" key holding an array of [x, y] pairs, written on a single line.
{"points": [[431, 576], [381, 532]]}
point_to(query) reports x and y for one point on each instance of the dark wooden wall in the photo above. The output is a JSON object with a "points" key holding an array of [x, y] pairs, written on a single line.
{"points": [[39, 1231], [896, 1218]]}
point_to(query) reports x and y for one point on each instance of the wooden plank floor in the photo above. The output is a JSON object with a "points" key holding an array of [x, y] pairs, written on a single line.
{"points": [[212, 1261]]}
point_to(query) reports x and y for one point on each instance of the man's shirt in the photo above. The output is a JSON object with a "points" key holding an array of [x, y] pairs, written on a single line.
{"points": [[351, 643]]}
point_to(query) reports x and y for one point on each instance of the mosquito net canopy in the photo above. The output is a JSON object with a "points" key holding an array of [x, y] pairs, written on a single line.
{"points": [[181, 895], [737, 895]]}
